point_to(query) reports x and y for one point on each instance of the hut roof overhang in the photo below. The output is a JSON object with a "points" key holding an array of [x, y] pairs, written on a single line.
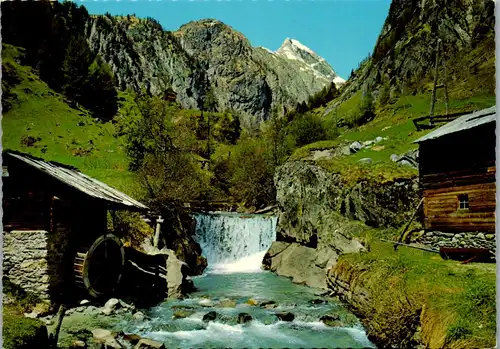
{"points": [[462, 123], [72, 177]]}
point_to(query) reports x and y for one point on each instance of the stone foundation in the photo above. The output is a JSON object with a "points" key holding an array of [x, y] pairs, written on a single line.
{"points": [[25, 261], [437, 239]]}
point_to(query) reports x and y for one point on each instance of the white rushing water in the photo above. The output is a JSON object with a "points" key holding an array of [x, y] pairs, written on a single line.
{"points": [[234, 242]]}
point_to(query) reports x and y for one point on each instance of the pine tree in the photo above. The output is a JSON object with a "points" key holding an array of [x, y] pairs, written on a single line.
{"points": [[100, 93], [75, 68]]}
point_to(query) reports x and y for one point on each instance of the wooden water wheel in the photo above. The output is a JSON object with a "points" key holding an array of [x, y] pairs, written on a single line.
{"points": [[98, 268]]}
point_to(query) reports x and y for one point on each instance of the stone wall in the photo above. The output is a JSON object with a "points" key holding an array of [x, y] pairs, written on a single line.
{"points": [[439, 239], [25, 260]]}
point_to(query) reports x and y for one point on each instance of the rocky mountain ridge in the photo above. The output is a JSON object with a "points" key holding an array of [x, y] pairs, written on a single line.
{"points": [[208, 55], [404, 56]]}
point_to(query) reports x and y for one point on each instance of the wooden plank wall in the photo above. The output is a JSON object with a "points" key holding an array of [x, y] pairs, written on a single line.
{"points": [[441, 203]]}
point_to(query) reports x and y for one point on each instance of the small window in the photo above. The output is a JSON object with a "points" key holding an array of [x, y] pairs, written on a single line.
{"points": [[463, 202]]}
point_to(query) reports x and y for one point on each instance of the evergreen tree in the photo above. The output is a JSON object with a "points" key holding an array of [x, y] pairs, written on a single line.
{"points": [[75, 68], [100, 93]]}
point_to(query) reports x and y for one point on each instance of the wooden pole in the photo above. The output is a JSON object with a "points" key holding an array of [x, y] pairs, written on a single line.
{"points": [[54, 331], [433, 98], [157, 232], [408, 225], [418, 248], [445, 86]]}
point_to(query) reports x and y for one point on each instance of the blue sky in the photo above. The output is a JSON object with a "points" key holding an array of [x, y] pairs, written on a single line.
{"points": [[341, 31]]}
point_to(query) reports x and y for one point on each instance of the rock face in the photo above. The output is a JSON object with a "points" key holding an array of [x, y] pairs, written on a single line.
{"points": [[204, 55]]}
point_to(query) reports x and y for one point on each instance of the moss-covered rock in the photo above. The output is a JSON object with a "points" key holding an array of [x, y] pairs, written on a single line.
{"points": [[20, 332]]}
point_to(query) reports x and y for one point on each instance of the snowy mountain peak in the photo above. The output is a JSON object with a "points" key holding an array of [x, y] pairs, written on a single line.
{"points": [[295, 45], [294, 50]]}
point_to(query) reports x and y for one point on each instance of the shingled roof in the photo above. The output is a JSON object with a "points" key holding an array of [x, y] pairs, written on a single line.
{"points": [[80, 181], [462, 123]]}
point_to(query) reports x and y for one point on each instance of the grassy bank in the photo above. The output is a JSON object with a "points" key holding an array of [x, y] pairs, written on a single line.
{"points": [[452, 304], [40, 122]]}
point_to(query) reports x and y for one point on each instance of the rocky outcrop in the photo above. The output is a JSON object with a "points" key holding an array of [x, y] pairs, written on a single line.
{"points": [[207, 55], [313, 202], [320, 218], [305, 265]]}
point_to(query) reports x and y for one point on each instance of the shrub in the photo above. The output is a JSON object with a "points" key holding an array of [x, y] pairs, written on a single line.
{"points": [[307, 128]]}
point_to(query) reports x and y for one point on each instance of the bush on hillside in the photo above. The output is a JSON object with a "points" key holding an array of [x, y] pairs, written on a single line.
{"points": [[307, 128]]}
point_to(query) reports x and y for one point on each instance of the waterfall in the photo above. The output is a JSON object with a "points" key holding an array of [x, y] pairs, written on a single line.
{"points": [[234, 242]]}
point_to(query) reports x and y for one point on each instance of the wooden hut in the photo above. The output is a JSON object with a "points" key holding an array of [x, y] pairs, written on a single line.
{"points": [[457, 178], [55, 228]]}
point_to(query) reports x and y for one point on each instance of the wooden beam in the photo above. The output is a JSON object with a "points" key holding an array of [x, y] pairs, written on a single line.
{"points": [[433, 98], [445, 83]]}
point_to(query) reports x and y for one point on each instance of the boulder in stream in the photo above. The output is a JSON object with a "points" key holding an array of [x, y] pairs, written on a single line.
{"points": [[332, 320], [227, 303], [252, 301], [244, 318], [269, 304], [210, 316], [139, 316], [149, 344], [111, 306], [132, 338], [181, 314], [318, 301], [285, 316]]}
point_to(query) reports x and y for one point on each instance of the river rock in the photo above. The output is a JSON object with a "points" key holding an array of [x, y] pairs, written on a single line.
{"points": [[132, 338], [78, 344], [127, 306], [227, 303], [268, 304], [210, 316], [107, 338], [285, 316], [181, 314], [244, 318], [139, 316], [149, 344], [331, 320], [111, 306], [318, 301], [206, 303], [85, 302], [252, 301], [379, 139]]}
